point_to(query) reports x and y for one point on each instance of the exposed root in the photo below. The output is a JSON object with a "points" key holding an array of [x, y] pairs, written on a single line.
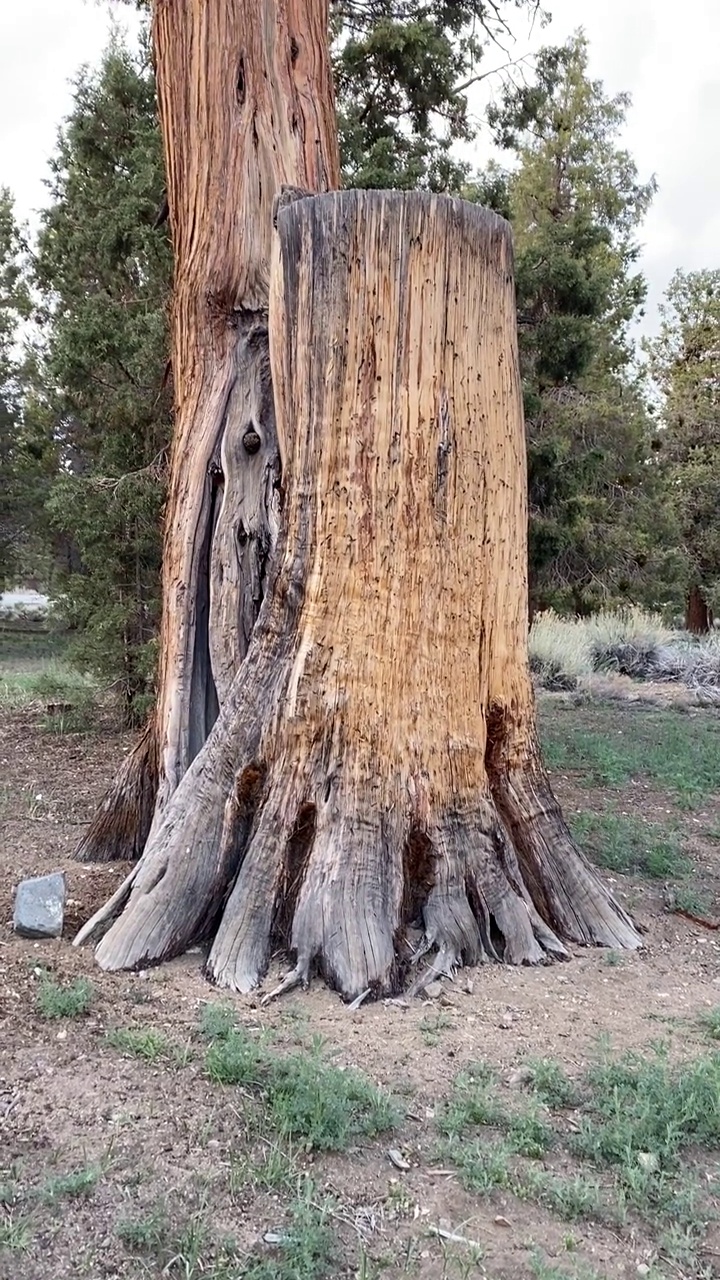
{"points": [[359, 1000], [173, 900], [298, 977], [565, 889], [98, 924], [239, 955]]}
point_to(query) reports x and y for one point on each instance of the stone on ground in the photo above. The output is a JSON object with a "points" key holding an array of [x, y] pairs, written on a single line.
{"points": [[40, 906]]}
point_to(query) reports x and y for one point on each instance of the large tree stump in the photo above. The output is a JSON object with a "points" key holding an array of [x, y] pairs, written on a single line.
{"points": [[375, 762]]}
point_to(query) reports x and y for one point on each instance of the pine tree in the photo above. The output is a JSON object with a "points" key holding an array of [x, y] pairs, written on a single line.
{"points": [[403, 69], [102, 391], [685, 362], [17, 498], [575, 202]]}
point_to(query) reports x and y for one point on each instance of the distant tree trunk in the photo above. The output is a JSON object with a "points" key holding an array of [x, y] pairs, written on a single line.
{"points": [[246, 106], [375, 765], [698, 617]]}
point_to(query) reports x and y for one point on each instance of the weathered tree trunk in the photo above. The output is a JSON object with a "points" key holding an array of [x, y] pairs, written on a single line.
{"points": [[698, 616], [375, 761], [246, 107]]}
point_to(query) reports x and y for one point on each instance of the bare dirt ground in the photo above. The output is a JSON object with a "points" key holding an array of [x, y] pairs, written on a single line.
{"points": [[161, 1130]]}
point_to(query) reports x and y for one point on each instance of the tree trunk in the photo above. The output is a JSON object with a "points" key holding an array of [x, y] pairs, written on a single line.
{"points": [[375, 763], [698, 617], [246, 107]]}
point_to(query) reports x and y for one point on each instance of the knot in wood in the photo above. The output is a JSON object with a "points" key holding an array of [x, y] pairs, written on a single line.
{"points": [[251, 441]]}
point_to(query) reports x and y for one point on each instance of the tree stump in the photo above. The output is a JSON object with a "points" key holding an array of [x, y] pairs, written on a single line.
{"points": [[375, 762]]}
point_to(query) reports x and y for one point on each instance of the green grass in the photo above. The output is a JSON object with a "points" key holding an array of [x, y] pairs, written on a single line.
{"points": [[305, 1097], [148, 1044], [306, 1249], [146, 1234], [56, 1000], [613, 747], [54, 682], [710, 1022], [550, 1084], [274, 1168], [634, 1121], [81, 1182], [620, 843], [642, 1112], [15, 1231]]}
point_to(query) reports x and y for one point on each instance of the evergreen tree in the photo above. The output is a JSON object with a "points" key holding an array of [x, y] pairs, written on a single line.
{"points": [[103, 269], [576, 203], [403, 69], [17, 500], [685, 363]]}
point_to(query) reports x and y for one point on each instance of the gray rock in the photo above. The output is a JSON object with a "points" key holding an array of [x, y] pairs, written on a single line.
{"points": [[40, 906]]}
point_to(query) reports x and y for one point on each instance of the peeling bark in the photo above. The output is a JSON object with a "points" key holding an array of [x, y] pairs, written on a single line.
{"points": [[246, 108], [375, 759]]}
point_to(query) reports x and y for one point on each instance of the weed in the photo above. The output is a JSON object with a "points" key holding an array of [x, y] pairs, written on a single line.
{"points": [[234, 1058], [324, 1105], [81, 1182], [432, 1025], [470, 1102], [483, 1166], [274, 1168], [15, 1231], [550, 1084], [528, 1134], [306, 1097], [148, 1044], [569, 1198], [710, 1021], [54, 1000], [678, 752], [544, 1270], [641, 1111], [691, 898], [217, 1022], [306, 1251], [144, 1235]]}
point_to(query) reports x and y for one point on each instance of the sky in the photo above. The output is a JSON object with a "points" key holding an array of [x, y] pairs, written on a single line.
{"points": [[665, 55]]}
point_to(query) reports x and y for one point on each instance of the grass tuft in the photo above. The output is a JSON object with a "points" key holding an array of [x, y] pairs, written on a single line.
{"points": [[149, 1044], [81, 1182], [56, 1000], [305, 1096]]}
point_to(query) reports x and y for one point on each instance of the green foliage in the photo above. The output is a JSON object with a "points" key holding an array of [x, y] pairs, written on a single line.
{"points": [[81, 1182], [711, 1022], [678, 752], [15, 1231], [17, 465], [550, 1084], [305, 1097], [576, 203], [643, 1111], [402, 72], [148, 1044], [685, 364], [622, 843], [97, 389], [55, 1000]]}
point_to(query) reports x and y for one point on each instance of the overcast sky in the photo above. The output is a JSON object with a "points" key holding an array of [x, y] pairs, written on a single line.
{"points": [[666, 55]]}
